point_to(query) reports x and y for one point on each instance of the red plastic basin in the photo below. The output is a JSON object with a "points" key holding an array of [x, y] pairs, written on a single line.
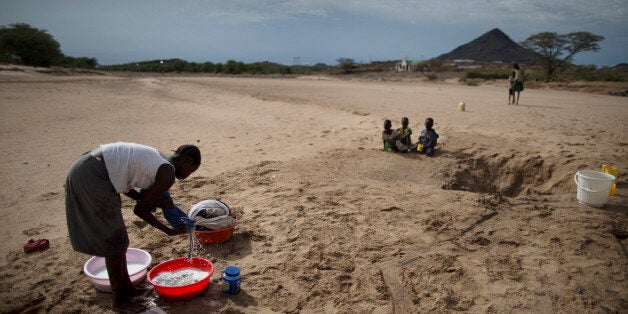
{"points": [[214, 236], [182, 293]]}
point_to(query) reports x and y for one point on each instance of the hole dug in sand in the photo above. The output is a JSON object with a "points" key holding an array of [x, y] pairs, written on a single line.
{"points": [[509, 175]]}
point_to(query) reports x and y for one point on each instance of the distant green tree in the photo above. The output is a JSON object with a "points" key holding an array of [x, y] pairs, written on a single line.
{"points": [[234, 67], [285, 70], [178, 66], [192, 67], [240, 67], [230, 67], [256, 68], [208, 67], [346, 64], [21, 43], [555, 51], [71, 62]]}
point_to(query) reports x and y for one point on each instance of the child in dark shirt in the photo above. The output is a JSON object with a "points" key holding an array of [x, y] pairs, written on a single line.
{"points": [[428, 138], [389, 136]]}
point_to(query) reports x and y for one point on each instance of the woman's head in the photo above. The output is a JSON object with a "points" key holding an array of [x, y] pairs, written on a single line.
{"points": [[515, 66], [186, 159]]}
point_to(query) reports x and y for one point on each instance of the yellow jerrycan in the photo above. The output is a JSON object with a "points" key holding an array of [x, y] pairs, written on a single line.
{"points": [[612, 171]]}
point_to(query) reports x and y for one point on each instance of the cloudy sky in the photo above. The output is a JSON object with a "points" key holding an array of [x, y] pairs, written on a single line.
{"points": [[309, 31]]}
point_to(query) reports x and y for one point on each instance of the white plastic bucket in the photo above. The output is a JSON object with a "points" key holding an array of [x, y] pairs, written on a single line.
{"points": [[593, 187]]}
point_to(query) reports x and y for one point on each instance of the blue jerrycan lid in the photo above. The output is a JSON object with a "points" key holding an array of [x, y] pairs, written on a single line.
{"points": [[232, 271]]}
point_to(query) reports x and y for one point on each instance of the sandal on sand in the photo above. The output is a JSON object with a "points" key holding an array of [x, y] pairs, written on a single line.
{"points": [[36, 245]]}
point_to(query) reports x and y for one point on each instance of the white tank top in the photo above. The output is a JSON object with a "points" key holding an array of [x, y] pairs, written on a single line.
{"points": [[131, 165]]}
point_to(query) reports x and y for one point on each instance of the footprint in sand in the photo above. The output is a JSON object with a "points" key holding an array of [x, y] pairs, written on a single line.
{"points": [[37, 230], [48, 196]]}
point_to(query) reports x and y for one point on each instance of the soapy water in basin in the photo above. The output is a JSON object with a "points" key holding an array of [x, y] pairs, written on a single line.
{"points": [[180, 277], [102, 273]]}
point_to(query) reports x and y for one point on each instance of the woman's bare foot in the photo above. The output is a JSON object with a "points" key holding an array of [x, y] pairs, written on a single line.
{"points": [[126, 298], [129, 302], [123, 302]]}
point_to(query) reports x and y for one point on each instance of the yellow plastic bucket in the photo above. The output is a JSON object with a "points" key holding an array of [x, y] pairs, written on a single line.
{"points": [[612, 171], [461, 106]]}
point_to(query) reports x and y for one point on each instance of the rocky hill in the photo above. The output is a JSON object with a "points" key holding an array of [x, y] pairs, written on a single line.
{"points": [[491, 47]]}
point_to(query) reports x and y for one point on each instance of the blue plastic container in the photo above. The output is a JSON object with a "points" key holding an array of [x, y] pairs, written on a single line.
{"points": [[231, 280]]}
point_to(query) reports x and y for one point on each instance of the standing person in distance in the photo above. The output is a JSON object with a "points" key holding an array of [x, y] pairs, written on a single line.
{"points": [[518, 84], [511, 84]]}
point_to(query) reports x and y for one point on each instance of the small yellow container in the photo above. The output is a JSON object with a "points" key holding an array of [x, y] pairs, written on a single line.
{"points": [[612, 171], [461, 106]]}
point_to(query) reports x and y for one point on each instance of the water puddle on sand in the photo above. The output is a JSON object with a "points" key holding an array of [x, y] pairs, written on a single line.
{"points": [[213, 300]]}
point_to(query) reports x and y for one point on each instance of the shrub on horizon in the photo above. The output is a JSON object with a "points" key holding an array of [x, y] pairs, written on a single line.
{"points": [[486, 76], [71, 62]]}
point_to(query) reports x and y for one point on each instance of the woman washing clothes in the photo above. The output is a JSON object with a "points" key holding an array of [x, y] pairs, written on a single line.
{"points": [[94, 208]]}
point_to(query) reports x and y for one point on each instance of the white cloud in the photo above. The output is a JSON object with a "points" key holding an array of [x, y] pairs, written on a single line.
{"points": [[532, 12], [243, 11]]}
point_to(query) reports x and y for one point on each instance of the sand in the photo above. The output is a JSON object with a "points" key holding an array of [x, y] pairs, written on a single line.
{"points": [[328, 222]]}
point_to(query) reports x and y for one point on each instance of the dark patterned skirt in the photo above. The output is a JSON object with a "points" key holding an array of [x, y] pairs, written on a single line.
{"points": [[94, 210]]}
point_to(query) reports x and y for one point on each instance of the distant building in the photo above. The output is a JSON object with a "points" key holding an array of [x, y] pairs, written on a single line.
{"points": [[465, 64], [466, 67], [402, 66]]}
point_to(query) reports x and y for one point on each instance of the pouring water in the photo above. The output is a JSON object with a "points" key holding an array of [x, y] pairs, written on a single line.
{"points": [[189, 228]]}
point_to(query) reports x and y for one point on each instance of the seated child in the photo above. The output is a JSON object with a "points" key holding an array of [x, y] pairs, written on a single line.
{"points": [[428, 138], [405, 133], [389, 136]]}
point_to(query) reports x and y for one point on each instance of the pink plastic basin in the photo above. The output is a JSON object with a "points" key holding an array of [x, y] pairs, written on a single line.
{"points": [[137, 262], [182, 293]]}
